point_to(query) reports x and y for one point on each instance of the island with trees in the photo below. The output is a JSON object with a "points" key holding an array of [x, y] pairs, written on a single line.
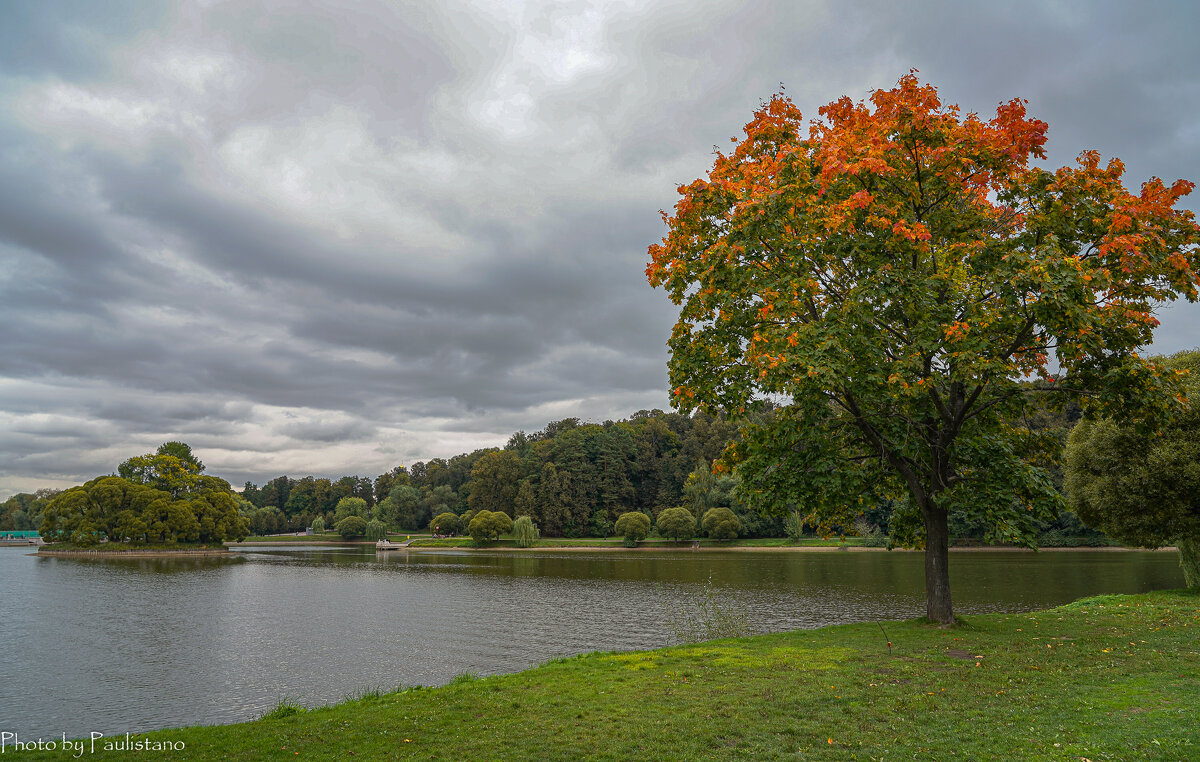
{"points": [[161, 502]]}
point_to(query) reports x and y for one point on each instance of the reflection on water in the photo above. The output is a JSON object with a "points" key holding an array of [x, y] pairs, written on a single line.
{"points": [[131, 644]]}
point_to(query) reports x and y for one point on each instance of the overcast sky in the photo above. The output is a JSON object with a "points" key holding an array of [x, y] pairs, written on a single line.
{"points": [[333, 237]]}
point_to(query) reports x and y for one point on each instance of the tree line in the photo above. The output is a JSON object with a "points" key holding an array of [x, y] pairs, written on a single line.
{"points": [[576, 479], [572, 479]]}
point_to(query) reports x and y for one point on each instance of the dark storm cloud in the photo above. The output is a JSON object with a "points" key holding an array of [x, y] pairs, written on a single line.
{"points": [[328, 238]]}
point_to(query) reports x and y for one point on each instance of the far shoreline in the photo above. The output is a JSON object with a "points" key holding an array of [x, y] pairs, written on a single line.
{"points": [[684, 547], [133, 553]]}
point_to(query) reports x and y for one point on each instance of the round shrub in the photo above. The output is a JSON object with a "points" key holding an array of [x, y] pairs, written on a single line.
{"points": [[446, 523], [489, 525], [633, 526], [676, 524], [351, 526], [721, 524]]}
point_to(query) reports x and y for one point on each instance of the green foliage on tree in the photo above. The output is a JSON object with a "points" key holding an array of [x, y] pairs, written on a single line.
{"points": [[351, 527], [23, 511], [495, 479], [376, 530], [183, 452], [524, 532], [526, 503], [676, 524], [633, 526], [439, 499], [721, 524], [404, 505], [893, 270], [446, 524], [700, 490], [1143, 488], [318, 525], [163, 471], [351, 506], [115, 509], [486, 526]]}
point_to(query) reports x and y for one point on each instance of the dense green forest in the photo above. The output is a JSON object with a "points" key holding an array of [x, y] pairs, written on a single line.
{"points": [[572, 479]]}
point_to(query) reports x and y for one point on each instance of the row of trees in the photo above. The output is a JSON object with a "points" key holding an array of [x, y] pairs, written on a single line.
{"points": [[679, 524], [575, 480]]}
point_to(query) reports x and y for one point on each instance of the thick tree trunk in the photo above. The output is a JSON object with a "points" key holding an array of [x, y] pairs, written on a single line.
{"points": [[937, 567], [1189, 559]]}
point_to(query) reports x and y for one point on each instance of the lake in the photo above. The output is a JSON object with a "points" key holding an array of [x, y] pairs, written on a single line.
{"points": [[124, 645]]}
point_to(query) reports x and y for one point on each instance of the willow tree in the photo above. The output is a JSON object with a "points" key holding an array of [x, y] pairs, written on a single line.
{"points": [[890, 274]]}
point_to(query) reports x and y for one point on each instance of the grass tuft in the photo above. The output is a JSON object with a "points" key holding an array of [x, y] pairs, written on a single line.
{"points": [[285, 707]]}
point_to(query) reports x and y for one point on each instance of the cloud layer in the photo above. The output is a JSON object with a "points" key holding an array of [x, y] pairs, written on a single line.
{"points": [[320, 238]]}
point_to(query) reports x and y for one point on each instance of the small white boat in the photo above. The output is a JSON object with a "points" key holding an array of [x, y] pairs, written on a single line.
{"points": [[389, 545]]}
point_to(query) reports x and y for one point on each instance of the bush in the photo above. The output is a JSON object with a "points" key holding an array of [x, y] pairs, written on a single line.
{"points": [[676, 524], [489, 525], [351, 506], [318, 525], [376, 530], [872, 536], [525, 532], [793, 526], [445, 523], [721, 524], [351, 526], [633, 526]]}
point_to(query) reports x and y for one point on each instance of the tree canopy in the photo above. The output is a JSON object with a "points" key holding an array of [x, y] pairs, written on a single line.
{"points": [[489, 525], [633, 526], [720, 524], [891, 272], [111, 508], [1143, 489], [676, 524]]}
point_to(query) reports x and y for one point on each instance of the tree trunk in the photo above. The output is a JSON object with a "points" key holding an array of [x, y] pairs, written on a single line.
{"points": [[1189, 560], [937, 566]]}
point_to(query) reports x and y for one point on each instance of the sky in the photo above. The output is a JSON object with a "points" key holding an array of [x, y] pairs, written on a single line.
{"points": [[334, 237]]}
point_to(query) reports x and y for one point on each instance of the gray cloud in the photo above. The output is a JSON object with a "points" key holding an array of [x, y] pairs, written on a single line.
{"points": [[328, 238]]}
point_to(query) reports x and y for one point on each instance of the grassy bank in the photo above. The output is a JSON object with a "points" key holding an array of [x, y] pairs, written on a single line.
{"points": [[1116, 677]]}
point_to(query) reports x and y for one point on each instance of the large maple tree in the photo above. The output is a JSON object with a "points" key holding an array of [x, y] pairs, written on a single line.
{"points": [[893, 274]]}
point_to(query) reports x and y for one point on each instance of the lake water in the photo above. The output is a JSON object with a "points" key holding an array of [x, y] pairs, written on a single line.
{"points": [[126, 645]]}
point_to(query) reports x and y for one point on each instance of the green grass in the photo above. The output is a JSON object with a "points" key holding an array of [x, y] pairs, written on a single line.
{"points": [[1109, 678]]}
